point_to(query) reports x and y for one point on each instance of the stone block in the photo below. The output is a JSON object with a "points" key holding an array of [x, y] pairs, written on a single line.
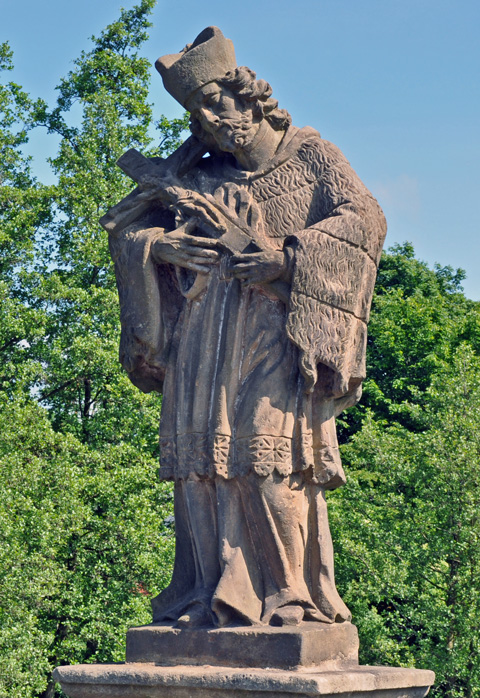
{"points": [[150, 681], [289, 647]]}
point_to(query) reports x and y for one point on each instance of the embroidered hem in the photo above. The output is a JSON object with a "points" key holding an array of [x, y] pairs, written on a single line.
{"points": [[196, 453]]}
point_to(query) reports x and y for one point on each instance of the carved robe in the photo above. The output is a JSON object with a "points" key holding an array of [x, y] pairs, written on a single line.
{"points": [[251, 384]]}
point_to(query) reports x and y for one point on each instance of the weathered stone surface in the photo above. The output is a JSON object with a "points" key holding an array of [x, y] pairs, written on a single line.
{"points": [[311, 644], [245, 280], [149, 681]]}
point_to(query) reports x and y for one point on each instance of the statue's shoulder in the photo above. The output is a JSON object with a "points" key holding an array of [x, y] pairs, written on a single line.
{"points": [[311, 152], [321, 157], [309, 141]]}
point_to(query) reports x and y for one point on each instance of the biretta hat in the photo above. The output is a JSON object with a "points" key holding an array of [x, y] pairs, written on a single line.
{"points": [[210, 57]]}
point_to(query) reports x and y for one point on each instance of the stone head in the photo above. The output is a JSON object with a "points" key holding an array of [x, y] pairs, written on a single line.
{"points": [[227, 103]]}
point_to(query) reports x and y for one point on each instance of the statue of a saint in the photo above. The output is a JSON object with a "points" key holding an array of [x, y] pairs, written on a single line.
{"points": [[245, 273]]}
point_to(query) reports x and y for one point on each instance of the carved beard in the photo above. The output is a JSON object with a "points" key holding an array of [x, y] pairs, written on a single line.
{"points": [[234, 134]]}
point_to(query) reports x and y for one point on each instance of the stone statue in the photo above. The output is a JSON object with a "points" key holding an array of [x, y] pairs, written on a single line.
{"points": [[245, 265]]}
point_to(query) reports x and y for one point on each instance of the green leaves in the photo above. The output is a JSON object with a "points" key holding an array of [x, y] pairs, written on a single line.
{"points": [[83, 548], [407, 532], [173, 133], [82, 541], [419, 316], [406, 526], [85, 533]]}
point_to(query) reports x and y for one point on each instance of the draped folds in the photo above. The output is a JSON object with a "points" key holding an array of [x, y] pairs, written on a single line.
{"points": [[251, 385]]}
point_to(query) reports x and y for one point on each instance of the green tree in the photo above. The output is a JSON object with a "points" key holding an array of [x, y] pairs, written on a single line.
{"points": [[406, 526], [83, 546], [24, 208], [82, 515], [85, 532], [408, 534], [419, 317], [82, 384]]}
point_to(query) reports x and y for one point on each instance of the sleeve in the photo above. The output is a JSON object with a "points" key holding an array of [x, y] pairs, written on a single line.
{"points": [[334, 270], [150, 304]]}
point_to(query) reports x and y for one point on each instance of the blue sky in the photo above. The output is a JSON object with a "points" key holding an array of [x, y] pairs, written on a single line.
{"points": [[394, 83]]}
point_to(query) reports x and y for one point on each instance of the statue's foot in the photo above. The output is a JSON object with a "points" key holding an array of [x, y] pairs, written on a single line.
{"points": [[196, 616], [287, 615]]}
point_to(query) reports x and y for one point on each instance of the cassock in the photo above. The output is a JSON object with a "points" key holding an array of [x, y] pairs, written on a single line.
{"points": [[252, 380]]}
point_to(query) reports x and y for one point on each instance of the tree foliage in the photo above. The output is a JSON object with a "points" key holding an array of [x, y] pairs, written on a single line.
{"points": [[84, 522], [419, 317], [83, 546], [86, 528], [406, 525]]}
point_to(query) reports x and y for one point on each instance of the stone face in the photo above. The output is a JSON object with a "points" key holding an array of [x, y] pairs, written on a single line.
{"points": [[149, 681], [311, 644]]}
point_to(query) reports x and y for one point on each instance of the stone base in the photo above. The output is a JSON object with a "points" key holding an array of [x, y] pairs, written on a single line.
{"points": [[311, 659], [150, 681], [306, 645]]}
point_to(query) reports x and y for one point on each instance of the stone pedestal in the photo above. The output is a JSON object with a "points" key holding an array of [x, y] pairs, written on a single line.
{"points": [[258, 662], [307, 645], [150, 681]]}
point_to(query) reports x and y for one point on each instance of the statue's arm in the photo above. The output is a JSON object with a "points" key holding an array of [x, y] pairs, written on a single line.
{"points": [[149, 305], [334, 271], [342, 207]]}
